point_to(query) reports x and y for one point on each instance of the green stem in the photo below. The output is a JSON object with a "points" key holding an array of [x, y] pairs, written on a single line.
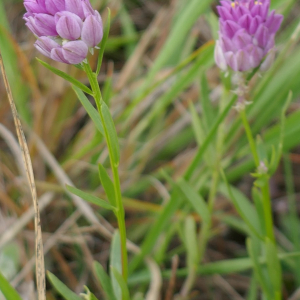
{"points": [[268, 210], [120, 214], [265, 188], [250, 137]]}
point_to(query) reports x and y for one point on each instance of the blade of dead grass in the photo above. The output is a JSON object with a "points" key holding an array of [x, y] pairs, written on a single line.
{"points": [[40, 267]]}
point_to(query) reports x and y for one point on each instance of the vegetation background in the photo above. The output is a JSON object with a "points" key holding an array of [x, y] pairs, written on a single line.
{"points": [[164, 92]]}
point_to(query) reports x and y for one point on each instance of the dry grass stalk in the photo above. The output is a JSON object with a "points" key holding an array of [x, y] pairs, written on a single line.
{"points": [[40, 267]]}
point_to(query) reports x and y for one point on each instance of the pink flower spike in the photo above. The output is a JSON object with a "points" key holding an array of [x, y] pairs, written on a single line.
{"points": [[247, 34]]}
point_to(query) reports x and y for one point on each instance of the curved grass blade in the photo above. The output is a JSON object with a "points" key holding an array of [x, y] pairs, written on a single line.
{"points": [[61, 288], [89, 198], [7, 290]]}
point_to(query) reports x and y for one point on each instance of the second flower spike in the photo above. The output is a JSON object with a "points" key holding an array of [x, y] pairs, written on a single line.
{"points": [[247, 34]]}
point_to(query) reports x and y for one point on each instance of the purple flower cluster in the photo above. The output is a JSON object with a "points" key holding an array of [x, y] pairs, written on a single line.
{"points": [[65, 29], [247, 34]]}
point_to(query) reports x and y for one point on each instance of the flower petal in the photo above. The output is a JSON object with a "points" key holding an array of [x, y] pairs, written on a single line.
{"points": [[75, 6], [75, 52], [57, 55], [53, 6], [45, 45], [219, 57], [46, 24], [68, 28], [92, 31]]}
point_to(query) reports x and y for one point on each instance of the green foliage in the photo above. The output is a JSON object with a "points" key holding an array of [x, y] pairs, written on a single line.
{"points": [[105, 281], [61, 288], [116, 265], [90, 198], [107, 185], [8, 291]]}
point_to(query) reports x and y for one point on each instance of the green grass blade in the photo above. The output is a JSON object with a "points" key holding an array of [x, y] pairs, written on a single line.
{"points": [[122, 284], [61, 288], [157, 228], [89, 198], [195, 199], [7, 290], [105, 281]]}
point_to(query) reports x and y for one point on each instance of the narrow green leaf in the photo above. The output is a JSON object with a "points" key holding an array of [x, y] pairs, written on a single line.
{"points": [[108, 185], [197, 125], [258, 269], [157, 228], [92, 112], [61, 288], [7, 290], [273, 265], [220, 267], [105, 281], [67, 77], [208, 112], [190, 236], [112, 133], [122, 284], [103, 42], [195, 200], [243, 206], [116, 263], [89, 198]]}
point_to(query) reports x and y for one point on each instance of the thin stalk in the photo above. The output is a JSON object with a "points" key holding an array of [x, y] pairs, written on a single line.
{"points": [[120, 214], [268, 210], [250, 137], [265, 188]]}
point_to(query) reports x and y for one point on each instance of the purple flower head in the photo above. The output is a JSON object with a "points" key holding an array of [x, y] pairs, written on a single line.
{"points": [[65, 29], [247, 34]]}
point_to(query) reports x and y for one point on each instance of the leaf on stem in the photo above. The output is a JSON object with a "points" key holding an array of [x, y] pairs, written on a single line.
{"points": [[92, 112], [116, 263], [67, 77], [89, 198], [108, 185], [112, 134]]}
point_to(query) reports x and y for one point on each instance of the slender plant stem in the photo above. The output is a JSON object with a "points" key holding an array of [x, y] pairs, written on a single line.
{"points": [[250, 137], [268, 210], [265, 189], [120, 214]]}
